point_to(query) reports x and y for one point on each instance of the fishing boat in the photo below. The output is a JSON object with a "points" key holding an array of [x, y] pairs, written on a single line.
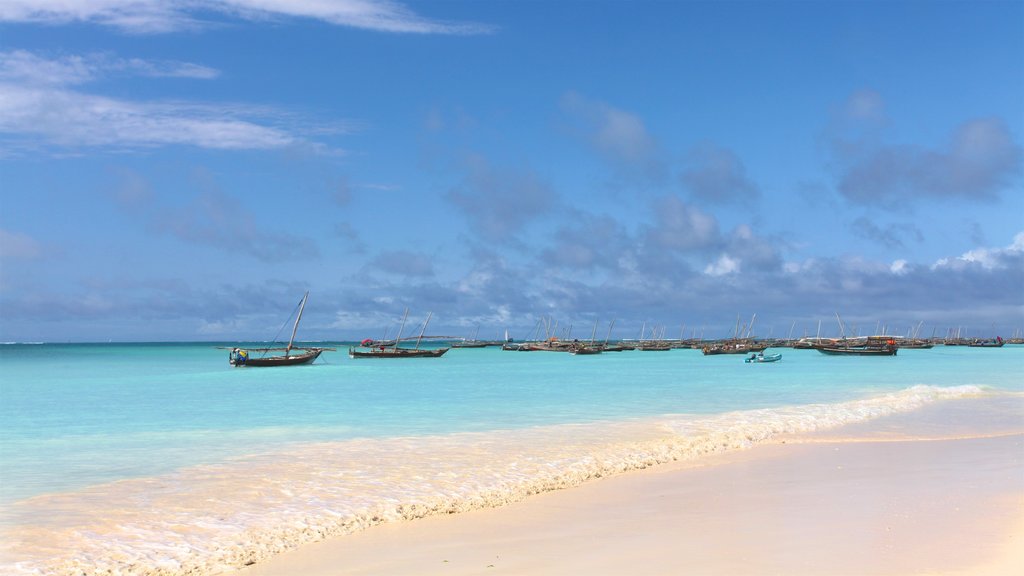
{"points": [[397, 352], [762, 357], [734, 346], [870, 346], [996, 343], [582, 348], [372, 349], [471, 342], [239, 357], [856, 351]]}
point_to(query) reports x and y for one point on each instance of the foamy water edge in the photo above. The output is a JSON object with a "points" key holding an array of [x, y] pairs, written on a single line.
{"points": [[217, 518]]}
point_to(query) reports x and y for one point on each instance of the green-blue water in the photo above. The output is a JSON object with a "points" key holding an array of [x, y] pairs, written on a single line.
{"points": [[76, 418]]}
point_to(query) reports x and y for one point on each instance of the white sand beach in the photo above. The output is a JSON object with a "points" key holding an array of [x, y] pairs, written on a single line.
{"points": [[937, 491]]}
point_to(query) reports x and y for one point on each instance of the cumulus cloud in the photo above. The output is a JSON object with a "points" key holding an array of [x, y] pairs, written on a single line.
{"points": [[717, 175], [40, 107], [162, 16], [590, 242], [500, 202], [988, 258], [724, 265], [979, 161], [681, 227], [618, 136]]}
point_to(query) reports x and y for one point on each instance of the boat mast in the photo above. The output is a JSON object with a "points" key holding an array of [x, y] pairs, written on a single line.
{"points": [[295, 328], [401, 328], [425, 322]]}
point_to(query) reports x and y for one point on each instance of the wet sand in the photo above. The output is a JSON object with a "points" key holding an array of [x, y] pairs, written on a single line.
{"points": [[938, 491]]}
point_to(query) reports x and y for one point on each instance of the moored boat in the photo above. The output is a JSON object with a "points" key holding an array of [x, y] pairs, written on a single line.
{"points": [[995, 343], [761, 357], [741, 346], [239, 357], [370, 349], [857, 351]]}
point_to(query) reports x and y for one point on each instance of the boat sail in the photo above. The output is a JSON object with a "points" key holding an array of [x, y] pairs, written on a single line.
{"points": [[239, 357]]}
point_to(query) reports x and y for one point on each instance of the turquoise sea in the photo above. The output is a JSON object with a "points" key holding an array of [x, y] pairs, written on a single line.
{"points": [[163, 459]]}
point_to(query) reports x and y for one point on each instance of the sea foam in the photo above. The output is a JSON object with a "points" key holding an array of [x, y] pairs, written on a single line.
{"points": [[214, 518]]}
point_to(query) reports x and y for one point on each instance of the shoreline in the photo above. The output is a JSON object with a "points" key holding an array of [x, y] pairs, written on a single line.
{"points": [[267, 510], [914, 493]]}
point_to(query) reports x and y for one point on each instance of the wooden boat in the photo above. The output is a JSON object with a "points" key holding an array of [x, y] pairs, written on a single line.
{"points": [[997, 343], [762, 357], [743, 346], [857, 351], [239, 357], [654, 347], [617, 347], [863, 346], [470, 344], [395, 351]]}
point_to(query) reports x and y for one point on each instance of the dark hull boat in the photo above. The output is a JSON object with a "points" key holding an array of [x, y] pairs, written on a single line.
{"points": [[857, 351], [997, 343], [398, 353], [371, 349], [733, 348], [239, 357], [288, 360], [470, 344]]}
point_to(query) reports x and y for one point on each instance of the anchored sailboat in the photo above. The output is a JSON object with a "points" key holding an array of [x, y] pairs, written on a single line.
{"points": [[371, 349], [245, 356]]}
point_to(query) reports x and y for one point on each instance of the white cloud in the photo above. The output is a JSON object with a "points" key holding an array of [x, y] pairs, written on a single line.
{"points": [[724, 265], [899, 267], [986, 258], [161, 16], [40, 105], [72, 119], [24, 67]]}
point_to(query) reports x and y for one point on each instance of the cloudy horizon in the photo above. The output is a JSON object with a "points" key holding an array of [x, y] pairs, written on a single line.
{"points": [[185, 171]]}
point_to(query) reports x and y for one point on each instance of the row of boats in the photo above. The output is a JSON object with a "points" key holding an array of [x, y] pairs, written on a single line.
{"points": [[369, 348]]}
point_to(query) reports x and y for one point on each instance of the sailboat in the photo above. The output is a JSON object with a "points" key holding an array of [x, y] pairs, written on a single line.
{"points": [[395, 351], [244, 356]]}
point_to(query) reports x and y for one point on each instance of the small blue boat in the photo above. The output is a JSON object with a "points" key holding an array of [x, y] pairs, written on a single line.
{"points": [[762, 357]]}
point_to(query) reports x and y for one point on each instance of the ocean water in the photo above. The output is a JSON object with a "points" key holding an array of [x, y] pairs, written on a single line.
{"points": [[163, 459]]}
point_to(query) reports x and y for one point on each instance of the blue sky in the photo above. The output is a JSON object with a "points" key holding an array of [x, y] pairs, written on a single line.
{"points": [[185, 170]]}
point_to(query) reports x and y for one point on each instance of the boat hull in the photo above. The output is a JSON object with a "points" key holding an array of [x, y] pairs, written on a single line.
{"points": [[764, 359], [290, 360], [397, 353], [836, 351]]}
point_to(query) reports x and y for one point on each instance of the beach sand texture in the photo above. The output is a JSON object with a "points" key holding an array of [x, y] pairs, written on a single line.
{"points": [[936, 491]]}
